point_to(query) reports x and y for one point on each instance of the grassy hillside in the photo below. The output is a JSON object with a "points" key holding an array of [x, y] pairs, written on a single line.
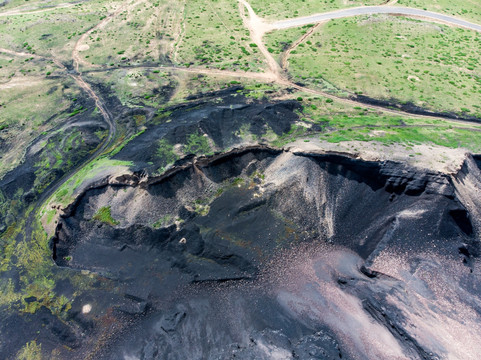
{"points": [[432, 66]]}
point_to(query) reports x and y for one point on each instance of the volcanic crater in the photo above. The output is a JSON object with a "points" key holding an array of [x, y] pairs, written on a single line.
{"points": [[274, 253]]}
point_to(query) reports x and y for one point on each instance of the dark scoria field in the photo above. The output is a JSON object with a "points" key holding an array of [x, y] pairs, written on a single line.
{"points": [[260, 252]]}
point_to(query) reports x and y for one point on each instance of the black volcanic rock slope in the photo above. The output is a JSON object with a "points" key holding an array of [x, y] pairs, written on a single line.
{"points": [[222, 123], [267, 254]]}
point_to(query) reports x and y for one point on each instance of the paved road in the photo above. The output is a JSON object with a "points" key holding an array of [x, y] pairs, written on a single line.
{"points": [[369, 10]]}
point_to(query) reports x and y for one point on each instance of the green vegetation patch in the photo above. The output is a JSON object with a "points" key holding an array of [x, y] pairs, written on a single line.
{"points": [[197, 144], [56, 156], [363, 124], [368, 126], [293, 134], [65, 193], [30, 351], [442, 136], [126, 141], [163, 221], [201, 209], [165, 152], [104, 215], [33, 261], [30, 106]]}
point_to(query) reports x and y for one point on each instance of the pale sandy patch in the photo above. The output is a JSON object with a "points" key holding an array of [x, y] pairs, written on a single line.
{"points": [[83, 47], [412, 77]]}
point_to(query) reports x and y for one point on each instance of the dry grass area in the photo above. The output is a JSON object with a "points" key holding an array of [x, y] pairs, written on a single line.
{"points": [[32, 5], [142, 32], [52, 33], [136, 87], [30, 106]]}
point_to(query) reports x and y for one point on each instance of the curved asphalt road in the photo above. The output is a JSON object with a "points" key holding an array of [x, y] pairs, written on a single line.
{"points": [[369, 10]]}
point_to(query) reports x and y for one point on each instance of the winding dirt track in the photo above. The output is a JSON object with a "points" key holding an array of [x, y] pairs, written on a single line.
{"points": [[284, 62], [80, 82], [77, 60], [257, 28]]}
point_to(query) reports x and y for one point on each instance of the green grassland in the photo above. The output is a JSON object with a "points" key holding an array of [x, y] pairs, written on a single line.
{"points": [[215, 37], [280, 9], [367, 125], [334, 122], [437, 134], [432, 66], [11, 66], [469, 10]]}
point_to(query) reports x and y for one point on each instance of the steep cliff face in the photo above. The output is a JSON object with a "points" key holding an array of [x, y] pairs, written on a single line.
{"points": [[262, 253], [467, 183]]}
